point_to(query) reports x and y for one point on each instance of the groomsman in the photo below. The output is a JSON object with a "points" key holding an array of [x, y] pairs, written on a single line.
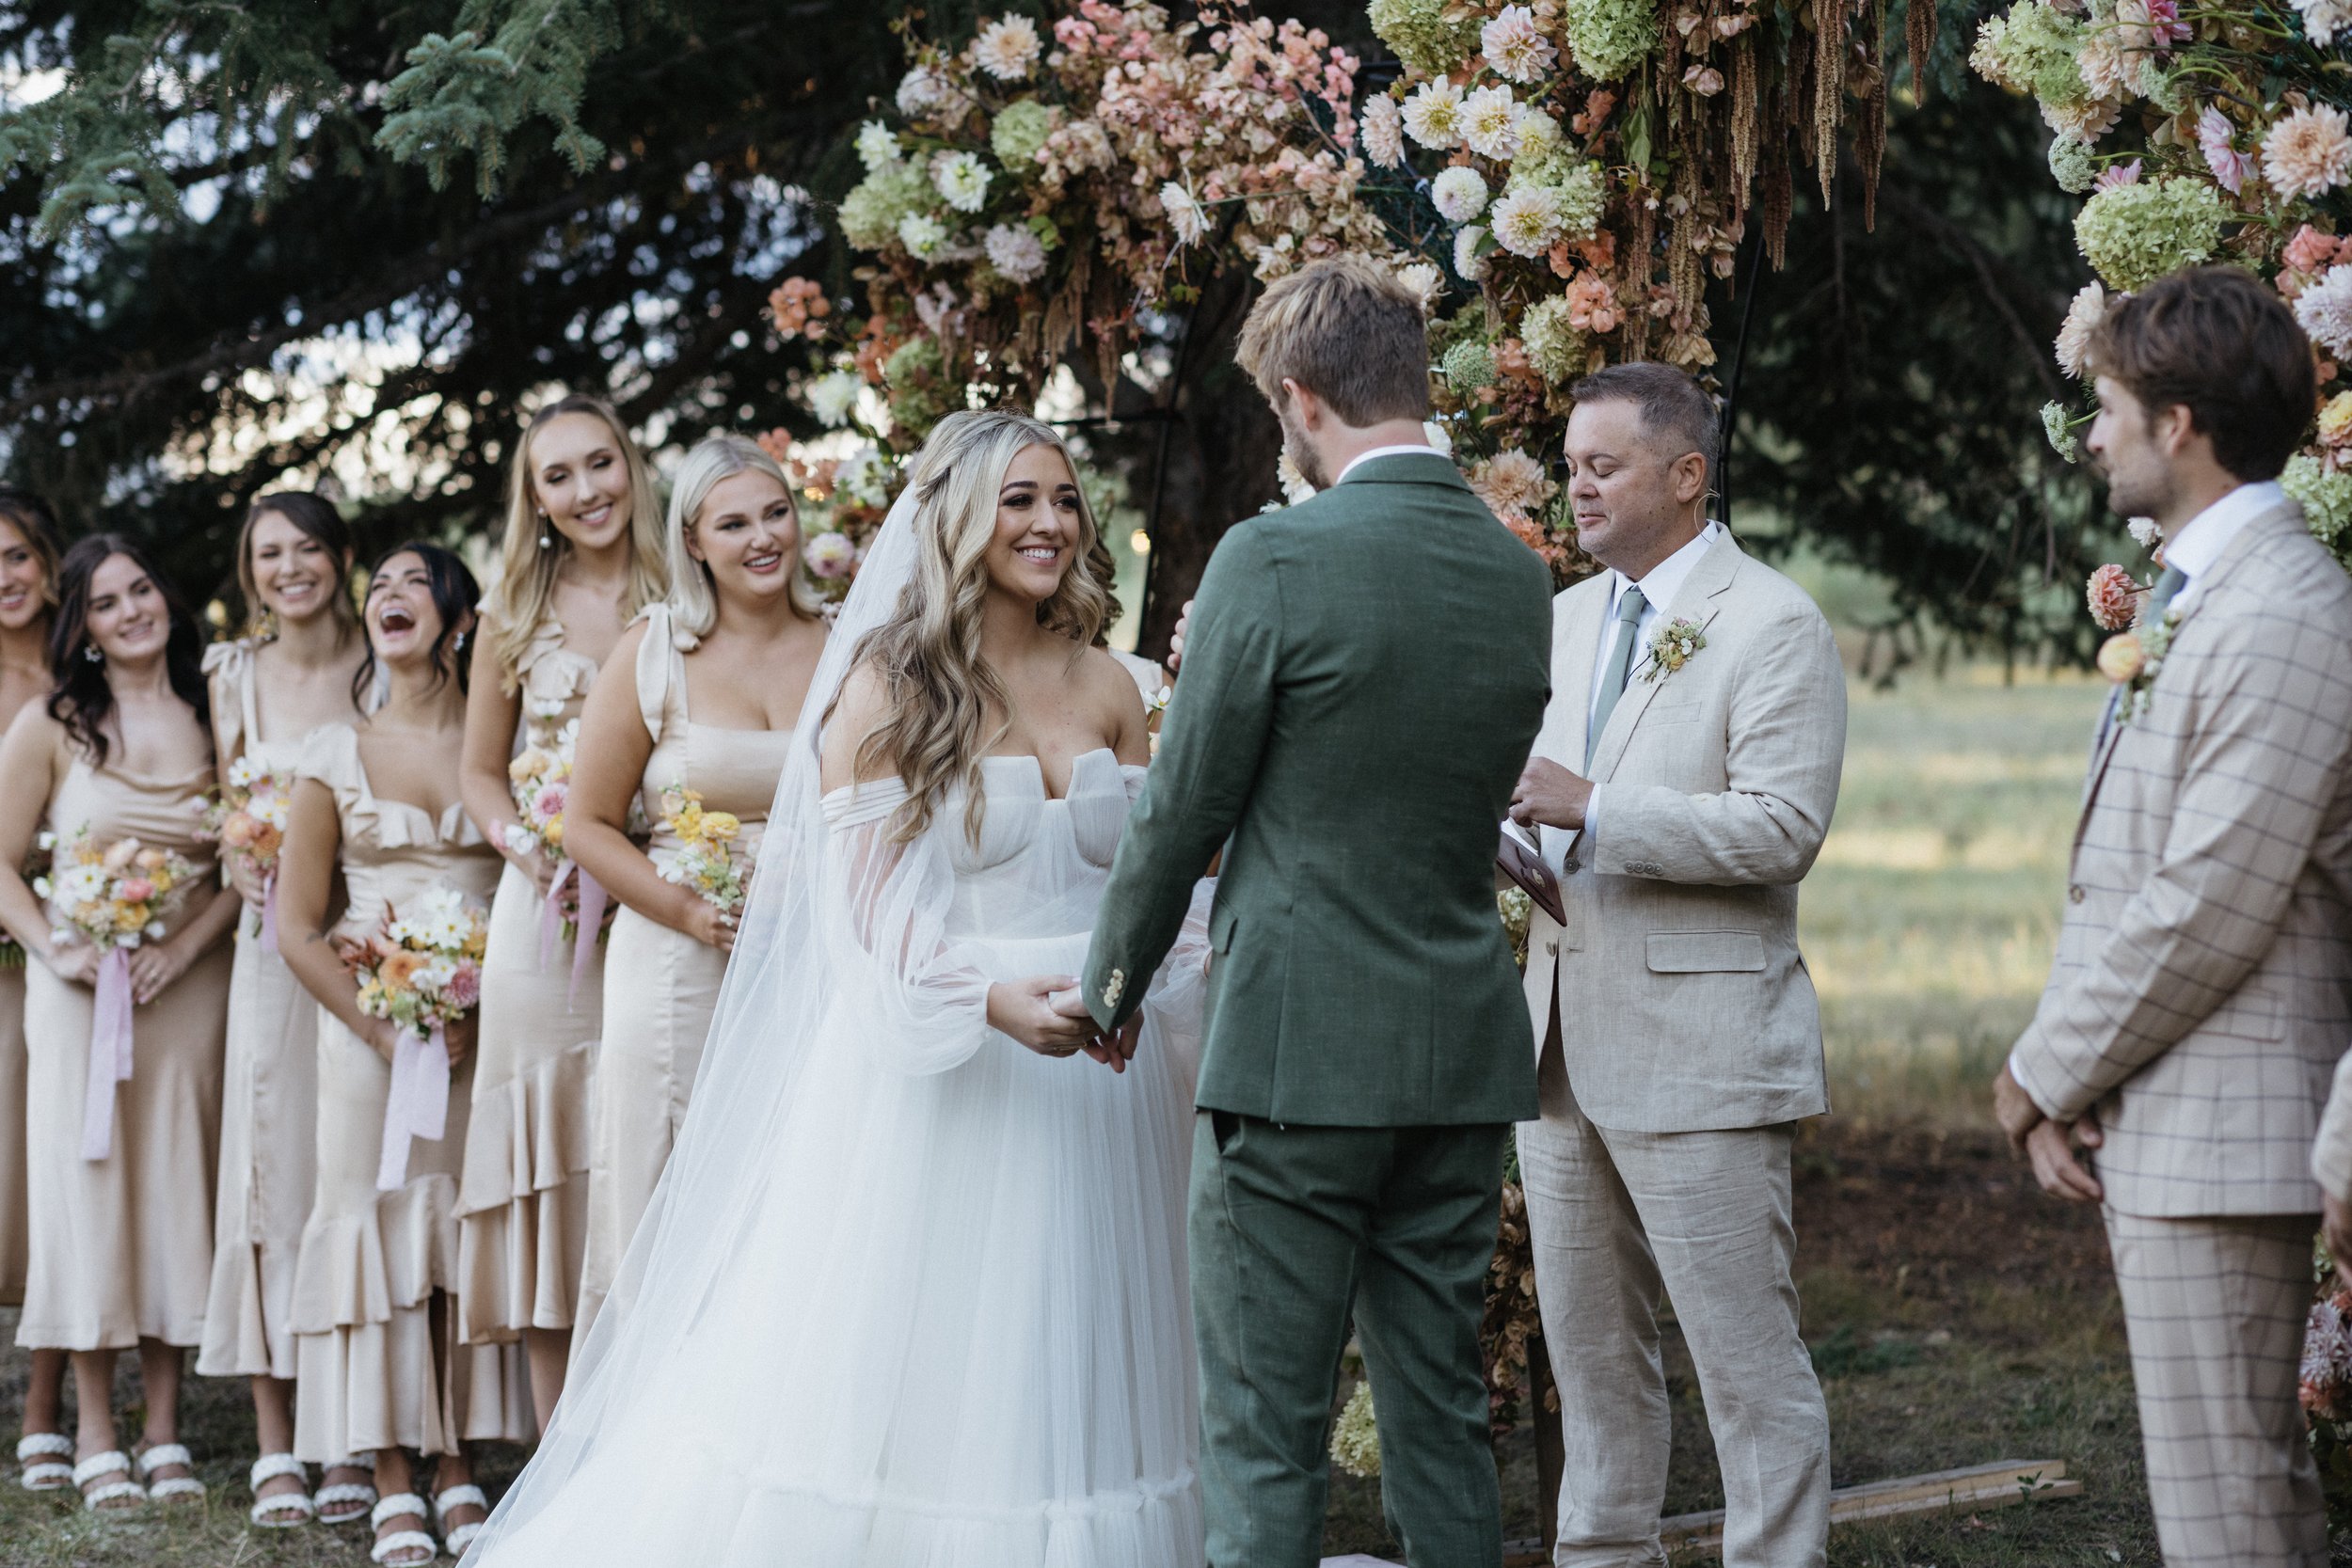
{"points": [[1684, 779], [2202, 994]]}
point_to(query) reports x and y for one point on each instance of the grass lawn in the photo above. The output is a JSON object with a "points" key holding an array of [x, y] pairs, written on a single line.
{"points": [[1956, 1315]]}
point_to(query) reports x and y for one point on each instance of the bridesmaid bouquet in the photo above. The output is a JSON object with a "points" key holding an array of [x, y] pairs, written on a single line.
{"points": [[423, 972], [113, 896], [706, 860], [540, 779], [249, 816]]}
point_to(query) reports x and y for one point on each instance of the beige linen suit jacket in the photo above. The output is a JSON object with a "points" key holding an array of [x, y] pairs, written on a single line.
{"points": [[2202, 994], [1683, 1003]]}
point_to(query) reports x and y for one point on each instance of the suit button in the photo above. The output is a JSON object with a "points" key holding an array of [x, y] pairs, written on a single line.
{"points": [[2075, 894]]}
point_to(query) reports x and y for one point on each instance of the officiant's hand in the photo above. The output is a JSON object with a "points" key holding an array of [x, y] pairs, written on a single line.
{"points": [[2014, 1108], [1024, 1010], [1176, 637], [1548, 794], [2051, 1147]]}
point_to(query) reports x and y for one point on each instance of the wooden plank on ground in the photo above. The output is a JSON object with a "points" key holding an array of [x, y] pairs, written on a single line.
{"points": [[1973, 1487]]}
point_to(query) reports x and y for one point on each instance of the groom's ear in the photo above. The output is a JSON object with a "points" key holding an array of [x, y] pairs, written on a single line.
{"points": [[1304, 405]]}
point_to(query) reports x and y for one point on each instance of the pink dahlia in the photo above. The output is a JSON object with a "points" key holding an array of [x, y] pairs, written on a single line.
{"points": [[2114, 598], [1514, 46], [464, 990], [2307, 153], [2117, 174], [2216, 138]]}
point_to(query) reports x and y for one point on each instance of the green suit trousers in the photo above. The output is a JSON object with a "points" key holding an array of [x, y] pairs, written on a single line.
{"points": [[1293, 1230]]}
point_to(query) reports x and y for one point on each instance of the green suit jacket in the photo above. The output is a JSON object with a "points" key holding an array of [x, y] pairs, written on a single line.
{"points": [[1366, 674]]}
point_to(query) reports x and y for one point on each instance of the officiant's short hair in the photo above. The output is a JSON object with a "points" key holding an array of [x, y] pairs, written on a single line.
{"points": [[1347, 329], [2224, 345], [1675, 408]]}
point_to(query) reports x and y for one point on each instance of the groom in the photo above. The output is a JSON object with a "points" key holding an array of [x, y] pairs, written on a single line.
{"points": [[1364, 673]]}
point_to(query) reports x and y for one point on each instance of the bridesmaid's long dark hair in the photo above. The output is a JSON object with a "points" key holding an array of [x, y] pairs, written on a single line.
{"points": [[80, 699], [455, 595]]}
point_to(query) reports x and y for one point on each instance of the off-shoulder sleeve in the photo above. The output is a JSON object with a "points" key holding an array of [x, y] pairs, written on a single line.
{"points": [[910, 995]]}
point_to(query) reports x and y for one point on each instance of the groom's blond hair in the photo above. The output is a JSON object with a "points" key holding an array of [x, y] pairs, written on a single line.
{"points": [[1347, 329]]}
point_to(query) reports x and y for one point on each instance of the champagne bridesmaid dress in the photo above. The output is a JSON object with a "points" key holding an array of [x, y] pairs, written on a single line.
{"points": [[375, 1370], [12, 1221], [268, 1108], [522, 1205], [121, 1248], [661, 986]]}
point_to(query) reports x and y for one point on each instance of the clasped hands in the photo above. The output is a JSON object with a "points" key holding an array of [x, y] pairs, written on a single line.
{"points": [[1048, 1014], [2048, 1145]]}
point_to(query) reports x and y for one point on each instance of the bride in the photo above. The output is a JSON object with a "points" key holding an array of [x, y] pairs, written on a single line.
{"points": [[913, 1289]]}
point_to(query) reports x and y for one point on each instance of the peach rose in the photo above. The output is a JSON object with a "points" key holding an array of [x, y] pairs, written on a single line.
{"points": [[2122, 657]]}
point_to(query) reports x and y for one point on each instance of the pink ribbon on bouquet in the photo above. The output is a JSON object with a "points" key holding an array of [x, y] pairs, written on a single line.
{"points": [[269, 911], [418, 1106], [593, 899], [109, 1052]]}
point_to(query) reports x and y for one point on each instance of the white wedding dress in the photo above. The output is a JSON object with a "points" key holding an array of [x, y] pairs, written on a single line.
{"points": [[911, 1296]]}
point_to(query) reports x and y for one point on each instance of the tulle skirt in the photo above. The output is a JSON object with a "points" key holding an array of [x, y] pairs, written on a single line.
{"points": [[953, 1333]]}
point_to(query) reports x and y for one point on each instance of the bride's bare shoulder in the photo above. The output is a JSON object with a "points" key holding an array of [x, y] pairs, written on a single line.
{"points": [[1117, 699], [859, 711]]}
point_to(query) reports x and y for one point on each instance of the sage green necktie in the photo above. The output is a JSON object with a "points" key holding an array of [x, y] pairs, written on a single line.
{"points": [[1620, 663], [2168, 583]]}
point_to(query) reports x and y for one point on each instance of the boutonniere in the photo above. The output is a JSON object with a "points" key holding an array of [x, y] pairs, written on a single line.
{"points": [[2130, 660], [1672, 646]]}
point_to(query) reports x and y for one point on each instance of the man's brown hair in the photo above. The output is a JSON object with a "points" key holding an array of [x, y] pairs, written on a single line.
{"points": [[1348, 330], [1675, 409], [2219, 341]]}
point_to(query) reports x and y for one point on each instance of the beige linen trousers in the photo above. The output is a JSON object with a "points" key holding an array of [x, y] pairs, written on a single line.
{"points": [[1682, 1039], [2199, 1003]]}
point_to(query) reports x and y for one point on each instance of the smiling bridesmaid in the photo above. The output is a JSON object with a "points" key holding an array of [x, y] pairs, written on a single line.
{"points": [[269, 691], [701, 695], [582, 556], [28, 591]]}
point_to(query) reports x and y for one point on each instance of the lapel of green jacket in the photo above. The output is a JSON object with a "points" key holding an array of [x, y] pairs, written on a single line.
{"points": [[1700, 600]]}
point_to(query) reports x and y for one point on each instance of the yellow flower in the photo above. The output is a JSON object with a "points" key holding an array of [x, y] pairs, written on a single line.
{"points": [[720, 825], [553, 834], [529, 764], [2335, 419], [2122, 657]]}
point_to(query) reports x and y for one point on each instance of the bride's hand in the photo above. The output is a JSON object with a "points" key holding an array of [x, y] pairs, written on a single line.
{"points": [[1024, 1010]]}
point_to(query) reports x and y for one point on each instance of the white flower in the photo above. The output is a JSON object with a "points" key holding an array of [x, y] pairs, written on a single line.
{"points": [[1008, 48], [1424, 281], [962, 178], [1183, 213], [1016, 252], [1433, 115], [1526, 219], [1459, 194], [922, 234], [2324, 19], [877, 148], [2307, 153], [1384, 131], [1468, 264], [1538, 132], [832, 396], [2144, 532], [2082, 319], [243, 772], [1514, 46], [1491, 123], [921, 91], [828, 555], [2325, 311], [1295, 485], [1438, 436]]}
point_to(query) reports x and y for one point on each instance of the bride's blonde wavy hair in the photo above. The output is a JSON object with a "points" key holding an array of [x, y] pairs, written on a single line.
{"points": [[936, 688]]}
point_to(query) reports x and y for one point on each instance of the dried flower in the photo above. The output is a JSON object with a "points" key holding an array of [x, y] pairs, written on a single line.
{"points": [[2113, 596], [1185, 214], [1433, 115], [1016, 252], [1008, 48], [1704, 80], [1384, 131], [1459, 194], [1515, 47], [2307, 153]]}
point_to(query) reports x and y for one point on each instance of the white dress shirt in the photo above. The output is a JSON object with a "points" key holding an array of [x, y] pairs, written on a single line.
{"points": [[1659, 587], [1403, 449], [2200, 542]]}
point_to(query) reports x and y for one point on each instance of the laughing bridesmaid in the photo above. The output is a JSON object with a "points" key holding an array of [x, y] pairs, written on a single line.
{"points": [[582, 556], [268, 692], [28, 591], [700, 696]]}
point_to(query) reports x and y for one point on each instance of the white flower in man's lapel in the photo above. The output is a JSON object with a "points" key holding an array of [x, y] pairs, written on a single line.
{"points": [[1672, 646]]}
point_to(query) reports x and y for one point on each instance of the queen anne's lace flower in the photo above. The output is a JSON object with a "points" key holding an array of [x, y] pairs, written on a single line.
{"points": [[2058, 427], [2082, 320], [1527, 219], [2073, 166], [1383, 131], [1515, 47], [1016, 252], [2325, 311], [1468, 366], [1459, 194], [1008, 48], [2307, 153], [1433, 115], [1491, 123], [961, 180], [2134, 234]]}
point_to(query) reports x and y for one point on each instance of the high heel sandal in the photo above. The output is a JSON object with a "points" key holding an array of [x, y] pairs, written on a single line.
{"points": [[409, 1541], [343, 1502], [110, 1497], [155, 1458], [456, 1538], [38, 1453], [281, 1510]]}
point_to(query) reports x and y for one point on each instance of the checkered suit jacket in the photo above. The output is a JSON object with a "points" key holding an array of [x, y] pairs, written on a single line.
{"points": [[2202, 994]]}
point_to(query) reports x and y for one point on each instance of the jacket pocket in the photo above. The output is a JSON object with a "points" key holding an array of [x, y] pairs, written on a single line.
{"points": [[1221, 923], [1705, 952]]}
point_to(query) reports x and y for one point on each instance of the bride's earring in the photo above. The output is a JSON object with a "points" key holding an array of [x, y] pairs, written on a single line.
{"points": [[547, 534]]}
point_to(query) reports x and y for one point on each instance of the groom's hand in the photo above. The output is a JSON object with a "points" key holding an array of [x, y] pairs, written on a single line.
{"points": [[1114, 1050], [1548, 794]]}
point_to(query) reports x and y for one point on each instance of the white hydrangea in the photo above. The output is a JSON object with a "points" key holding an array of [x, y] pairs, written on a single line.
{"points": [[922, 234], [1459, 194], [962, 180]]}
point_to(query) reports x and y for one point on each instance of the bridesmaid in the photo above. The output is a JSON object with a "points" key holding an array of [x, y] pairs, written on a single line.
{"points": [[702, 691], [28, 590], [582, 556], [268, 692], [375, 1328], [121, 1245]]}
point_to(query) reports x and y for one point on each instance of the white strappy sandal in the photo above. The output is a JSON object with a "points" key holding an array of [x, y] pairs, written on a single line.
{"points": [[281, 1510], [154, 1459], [101, 1499], [456, 1538], [38, 1453], [400, 1541], [343, 1502]]}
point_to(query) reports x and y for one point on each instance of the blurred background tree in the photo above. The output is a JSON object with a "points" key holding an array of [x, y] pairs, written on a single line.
{"points": [[352, 242]]}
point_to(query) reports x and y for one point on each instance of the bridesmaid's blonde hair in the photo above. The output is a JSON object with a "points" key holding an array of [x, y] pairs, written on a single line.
{"points": [[532, 551], [717, 457], [935, 687]]}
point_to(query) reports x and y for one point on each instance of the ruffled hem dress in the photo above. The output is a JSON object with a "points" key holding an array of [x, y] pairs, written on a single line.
{"points": [[121, 1249], [522, 1201], [374, 1312], [661, 986], [270, 1095]]}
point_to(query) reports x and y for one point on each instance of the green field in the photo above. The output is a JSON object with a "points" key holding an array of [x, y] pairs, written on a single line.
{"points": [[1957, 1316]]}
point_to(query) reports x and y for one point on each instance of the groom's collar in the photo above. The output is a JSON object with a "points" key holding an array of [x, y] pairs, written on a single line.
{"points": [[1400, 462]]}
